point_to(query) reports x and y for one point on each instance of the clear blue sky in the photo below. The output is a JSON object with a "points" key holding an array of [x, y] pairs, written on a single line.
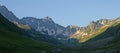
{"points": [[65, 12]]}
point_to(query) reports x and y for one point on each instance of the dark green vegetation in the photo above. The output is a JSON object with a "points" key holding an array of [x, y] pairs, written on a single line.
{"points": [[98, 29], [13, 41], [105, 42], [17, 40]]}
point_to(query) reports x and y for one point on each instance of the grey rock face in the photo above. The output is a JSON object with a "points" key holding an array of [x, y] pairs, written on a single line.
{"points": [[47, 25], [8, 14]]}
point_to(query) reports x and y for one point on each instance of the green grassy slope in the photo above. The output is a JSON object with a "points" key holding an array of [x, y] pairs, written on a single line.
{"points": [[98, 30], [11, 41], [108, 41]]}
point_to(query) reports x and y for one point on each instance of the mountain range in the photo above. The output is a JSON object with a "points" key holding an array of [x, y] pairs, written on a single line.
{"points": [[48, 26], [101, 36]]}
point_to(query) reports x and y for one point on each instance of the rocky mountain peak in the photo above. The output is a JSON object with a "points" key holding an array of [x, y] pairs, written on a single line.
{"points": [[103, 21], [2, 8], [72, 26], [92, 23], [47, 18], [8, 14]]}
